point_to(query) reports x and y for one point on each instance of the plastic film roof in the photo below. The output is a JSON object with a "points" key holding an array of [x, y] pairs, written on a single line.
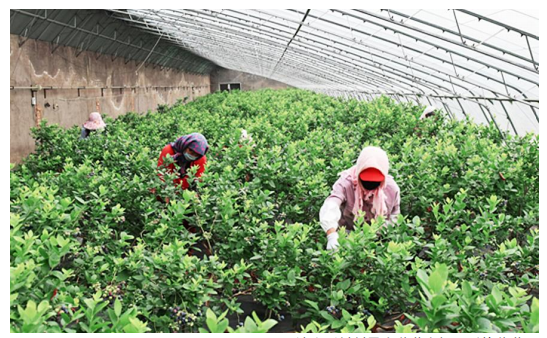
{"points": [[478, 63], [97, 31]]}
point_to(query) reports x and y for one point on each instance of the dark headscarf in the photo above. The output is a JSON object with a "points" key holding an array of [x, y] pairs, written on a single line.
{"points": [[195, 142]]}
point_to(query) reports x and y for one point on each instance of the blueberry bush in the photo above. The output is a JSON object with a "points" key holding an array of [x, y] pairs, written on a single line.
{"points": [[94, 247]]}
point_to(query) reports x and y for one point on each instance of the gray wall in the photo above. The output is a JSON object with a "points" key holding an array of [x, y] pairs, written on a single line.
{"points": [[83, 84], [248, 81]]}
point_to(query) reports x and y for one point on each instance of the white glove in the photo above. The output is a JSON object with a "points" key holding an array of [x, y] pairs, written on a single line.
{"points": [[330, 214], [391, 220], [332, 241]]}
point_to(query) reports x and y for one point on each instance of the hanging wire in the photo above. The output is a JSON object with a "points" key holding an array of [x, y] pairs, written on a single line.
{"points": [[289, 43], [148, 56]]}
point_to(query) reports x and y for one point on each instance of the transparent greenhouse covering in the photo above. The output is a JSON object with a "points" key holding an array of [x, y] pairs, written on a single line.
{"points": [[482, 64]]}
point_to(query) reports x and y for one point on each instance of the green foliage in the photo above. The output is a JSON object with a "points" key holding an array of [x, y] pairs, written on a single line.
{"points": [[252, 324], [91, 234], [449, 307]]}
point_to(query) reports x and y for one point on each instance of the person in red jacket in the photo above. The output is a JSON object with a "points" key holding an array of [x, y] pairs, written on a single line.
{"points": [[187, 151]]}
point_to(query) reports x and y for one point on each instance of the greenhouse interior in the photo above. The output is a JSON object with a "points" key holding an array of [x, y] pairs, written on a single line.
{"points": [[283, 171]]}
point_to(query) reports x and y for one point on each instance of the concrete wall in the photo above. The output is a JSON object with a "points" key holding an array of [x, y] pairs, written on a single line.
{"points": [[248, 81], [82, 84]]}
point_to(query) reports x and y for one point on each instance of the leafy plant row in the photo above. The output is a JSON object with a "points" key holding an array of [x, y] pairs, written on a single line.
{"points": [[88, 238]]}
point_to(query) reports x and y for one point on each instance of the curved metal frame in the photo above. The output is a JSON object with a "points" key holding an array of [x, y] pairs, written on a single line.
{"points": [[307, 50]]}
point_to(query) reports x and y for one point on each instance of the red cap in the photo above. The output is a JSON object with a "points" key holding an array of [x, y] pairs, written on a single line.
{"points": [[372, 175]]}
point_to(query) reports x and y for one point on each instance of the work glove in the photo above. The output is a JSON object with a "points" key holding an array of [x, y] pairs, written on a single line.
{"points": [[332, 241]]}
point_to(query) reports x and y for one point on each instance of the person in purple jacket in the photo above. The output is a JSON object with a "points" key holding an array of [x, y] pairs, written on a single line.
{"points": [[365, 187]]}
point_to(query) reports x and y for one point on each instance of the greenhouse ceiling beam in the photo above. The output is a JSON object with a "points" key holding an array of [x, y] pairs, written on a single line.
{"points": [[91, 44], [44, 30], [360, 57], [440, 37], [119, 46], [407, 67], [62, 24], [437, 58], [509, 118], [308, 39], [215, 45], [175, 18], [127, 17], [197, 15], [140, 50], [27, 30], [125, 35], [420, 52], [337, 57], [501, 24], [75, 27], [112, 46], [72, 36], [189, 63], [169, 51], [61, 32], [458, 26], [141, 25], [374, 77], [257, 65], [222, 29], [467, 37], [108, 22], [338, 79], [492, 119], [205, 41], [311, 56], [536, 65], [446, 49], [434, 70], [172, 29], [210, 54], [338, 60], [395, 70]]}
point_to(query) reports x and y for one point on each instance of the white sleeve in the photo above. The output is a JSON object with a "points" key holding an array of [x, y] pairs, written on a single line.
{"points": [[394, 215], [330, 214]]}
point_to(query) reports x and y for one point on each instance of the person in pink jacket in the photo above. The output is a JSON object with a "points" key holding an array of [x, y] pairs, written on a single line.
{"points": [[95, 122], [365, 187]]}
